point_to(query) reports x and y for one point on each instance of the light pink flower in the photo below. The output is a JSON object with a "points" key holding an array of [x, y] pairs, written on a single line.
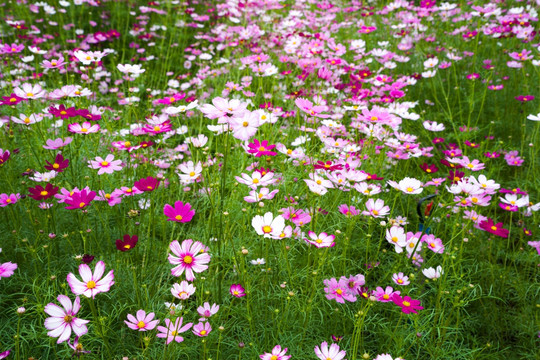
{"points": [[62, 321], [105, 166], [142, 322], [171, 331], [91, 284], [191, 257]]}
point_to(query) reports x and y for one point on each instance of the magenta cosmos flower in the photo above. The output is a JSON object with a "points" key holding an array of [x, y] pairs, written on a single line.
{"points": [[10, 199], [496, 229], [80, 200], [261, 148], [407, 304], [190, 257], [7, 269], [142, 322], [277, 354], [91, 284], [179, 213], [107, 165], [237, 290], [63, 321], [172, 330]]}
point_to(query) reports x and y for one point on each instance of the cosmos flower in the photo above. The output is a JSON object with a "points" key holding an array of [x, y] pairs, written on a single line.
{"points": [[407, 185], [496, 229], [179, 213], [190, 258], [142, 322], [62, 321], [400, 279], [276, 354], [171, 331], [333, 353], [206, 311], [268, 226], [407, 304], [127, 242], [7, 269], [321, 240], [237, 290], [183, 290], [10, 199], [261, 148], [105, 166], [42, 193], [80, 200], [202, 329], [92, 283], [56, 143]]}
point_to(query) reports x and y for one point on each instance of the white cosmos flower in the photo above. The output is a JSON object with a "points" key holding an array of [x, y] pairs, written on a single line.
{"points": [[534, 117], [432, 273], [268, 226], [407, 185], [433, 126]]}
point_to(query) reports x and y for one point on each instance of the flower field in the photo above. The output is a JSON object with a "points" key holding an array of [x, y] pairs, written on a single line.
{"points": [[270, 179]]}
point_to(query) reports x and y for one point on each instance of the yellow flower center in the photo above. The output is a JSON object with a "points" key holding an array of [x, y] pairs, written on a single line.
{"points": [[27, 120], [494, 228], [406, 303], [107, 196], [91, 284], [178, 217], [409, 189], [386, 296], [245, 124], [273, 357], [157, 128], [375, 212], [44, 193], [339, 291], [141, 324], [104, 163], [394, 239], [53, 63], [8, 201], [203, 332], [82, 204], [400, 281], [127, 246], [127, 144], [261, 148], [188, 259], [255, 181], [55, 166], [318, 241], [266, 229], [29, 94], [84, 129], [174, 333], [68, 318]]}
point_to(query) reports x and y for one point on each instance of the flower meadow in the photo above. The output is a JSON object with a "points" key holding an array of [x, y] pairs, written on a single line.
{"points": [[269, 179]]}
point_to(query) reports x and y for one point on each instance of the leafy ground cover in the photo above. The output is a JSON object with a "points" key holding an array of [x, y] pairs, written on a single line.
{"points": [[269, 179]]}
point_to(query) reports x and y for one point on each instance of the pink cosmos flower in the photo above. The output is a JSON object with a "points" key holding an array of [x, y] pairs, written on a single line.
{"points": [[314, 110], [434, 244], [63, 321], [338, 291], [179, 213], [85, 128], [10, 199], [277, 354], [54, 63], [321, 240], [246, 126], [57, 143], [183, 290], [237, 290], [91, 284], [142, 322], [7, 269], [348, 210], [400, 279], [202, 329], [105, 166], [385, 295], [206, 311], [190, 257], [5, 354], [261, 148], [332, 353], [172, 330], [257, 196], [29, 91]]}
